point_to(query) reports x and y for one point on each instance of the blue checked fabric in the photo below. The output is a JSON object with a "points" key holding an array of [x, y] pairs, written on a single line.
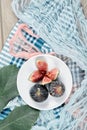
{"points": [[7, 59]]}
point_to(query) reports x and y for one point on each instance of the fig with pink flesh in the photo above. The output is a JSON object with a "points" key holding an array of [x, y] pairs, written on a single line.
{"points": [[53, 73], [42, 65], [36, 76], [46, 80]]}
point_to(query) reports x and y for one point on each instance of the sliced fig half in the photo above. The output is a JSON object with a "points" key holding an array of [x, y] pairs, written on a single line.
{"points": [[36, 76], [42, 65], [39, 93], [52, 74], [46, 80]]}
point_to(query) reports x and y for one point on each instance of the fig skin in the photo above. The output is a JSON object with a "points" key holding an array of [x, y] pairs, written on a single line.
{"points": [[39, 93], [56, 88]]}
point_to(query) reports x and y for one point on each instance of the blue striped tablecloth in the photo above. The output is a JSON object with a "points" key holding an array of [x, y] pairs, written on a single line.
{"points": [[7, 59]]}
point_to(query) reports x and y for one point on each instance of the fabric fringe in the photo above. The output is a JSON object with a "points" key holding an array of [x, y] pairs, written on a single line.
{"points": [[66, 33]]}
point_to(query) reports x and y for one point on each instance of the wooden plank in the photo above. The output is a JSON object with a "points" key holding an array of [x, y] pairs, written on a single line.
{"points": [[8, 18], [84, 6], [84, 3]]}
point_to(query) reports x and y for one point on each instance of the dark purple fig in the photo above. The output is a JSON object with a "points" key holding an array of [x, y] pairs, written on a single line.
{"points": [[39, 93], [56, 88]]}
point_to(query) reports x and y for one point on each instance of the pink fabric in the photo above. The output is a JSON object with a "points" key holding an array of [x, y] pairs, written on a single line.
{"points": [[27, 50]]}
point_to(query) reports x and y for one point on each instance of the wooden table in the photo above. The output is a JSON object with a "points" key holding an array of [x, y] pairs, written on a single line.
{"points": [[8, 19]]}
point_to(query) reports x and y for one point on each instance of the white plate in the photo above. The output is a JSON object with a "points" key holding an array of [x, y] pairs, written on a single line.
{"points": [[24, 85]]}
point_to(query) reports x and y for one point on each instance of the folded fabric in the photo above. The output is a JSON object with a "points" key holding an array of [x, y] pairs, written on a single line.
{"points": [[62, 25], [39, 43]]}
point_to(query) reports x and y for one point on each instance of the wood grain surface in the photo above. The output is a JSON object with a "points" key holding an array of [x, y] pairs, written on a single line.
{"points": [[8, 19]]}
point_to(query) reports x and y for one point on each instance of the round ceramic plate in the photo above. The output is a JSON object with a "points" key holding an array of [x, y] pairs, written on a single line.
{"points": [[24, 85]]}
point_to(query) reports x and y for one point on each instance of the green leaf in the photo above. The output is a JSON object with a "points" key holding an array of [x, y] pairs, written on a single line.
{"points": [[22, 118], [8, 88]]}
